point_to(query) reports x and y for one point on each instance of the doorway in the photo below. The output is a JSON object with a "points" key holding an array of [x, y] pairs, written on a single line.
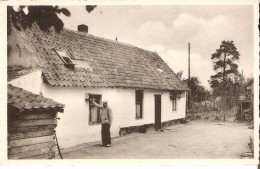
{"points": [[157, 111]]}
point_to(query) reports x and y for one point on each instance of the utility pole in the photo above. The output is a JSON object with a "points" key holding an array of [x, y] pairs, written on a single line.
{"points": [[189, 61], [189, 93]]}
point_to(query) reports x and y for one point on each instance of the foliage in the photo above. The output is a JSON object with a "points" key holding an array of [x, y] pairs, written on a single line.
{"points": [[179, 75], [90, 8], [224, 64], [44, 16], [198, 92]]}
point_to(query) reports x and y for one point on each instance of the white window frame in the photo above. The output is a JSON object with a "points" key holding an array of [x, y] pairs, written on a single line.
{"points": [[91, 106], [174, 100], [64, 57], [141, 103]]}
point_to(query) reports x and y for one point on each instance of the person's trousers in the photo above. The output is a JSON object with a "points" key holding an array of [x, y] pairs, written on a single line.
{"points": [[105, 133]]}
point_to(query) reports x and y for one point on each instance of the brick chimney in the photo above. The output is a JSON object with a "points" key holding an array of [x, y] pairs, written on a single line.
{"points": [[83, 28]]}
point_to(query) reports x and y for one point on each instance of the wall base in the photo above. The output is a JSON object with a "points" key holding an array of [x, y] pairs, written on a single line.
{"points": [[145, 127]]}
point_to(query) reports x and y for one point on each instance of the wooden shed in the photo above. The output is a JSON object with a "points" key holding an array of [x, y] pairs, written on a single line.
{"points": [[245, 108], [32, 120]]}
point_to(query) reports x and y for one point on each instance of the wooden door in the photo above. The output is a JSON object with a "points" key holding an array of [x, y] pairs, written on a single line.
{"points": [[157, 112]]}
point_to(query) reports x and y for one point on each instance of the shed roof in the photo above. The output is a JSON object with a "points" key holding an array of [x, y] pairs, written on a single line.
{"points": [[26, 101], [110, 63]]}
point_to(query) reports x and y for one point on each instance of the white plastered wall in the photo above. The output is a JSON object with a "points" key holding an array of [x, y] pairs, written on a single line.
{"points": [[149, 108], [167, 113], [73, 126], [31, 82]]}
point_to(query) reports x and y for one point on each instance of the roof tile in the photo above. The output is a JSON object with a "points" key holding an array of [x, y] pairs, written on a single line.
{"points": [[25, 100], [114, 64]]}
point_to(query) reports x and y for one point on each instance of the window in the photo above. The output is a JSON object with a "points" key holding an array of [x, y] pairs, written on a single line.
{"points": [[174, 104], [93, 110], [64, 57], [139, 104], [182, 94], [67, 60], [173, 98]]}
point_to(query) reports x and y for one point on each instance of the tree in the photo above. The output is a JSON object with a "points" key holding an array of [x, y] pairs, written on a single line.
{"points": [[224, 64], [225, 82], [198, 92], [179, 75], [44, 16]]}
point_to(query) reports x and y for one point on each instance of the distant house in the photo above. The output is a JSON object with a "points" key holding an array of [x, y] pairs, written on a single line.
{"points": [[71, 67], [31, 124]]}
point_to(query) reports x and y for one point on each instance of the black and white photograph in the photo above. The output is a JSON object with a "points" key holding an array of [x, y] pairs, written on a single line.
{"points": [[130, 81]]}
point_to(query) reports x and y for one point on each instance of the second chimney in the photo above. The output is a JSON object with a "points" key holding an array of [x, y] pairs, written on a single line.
{"points": [[83, 28]]}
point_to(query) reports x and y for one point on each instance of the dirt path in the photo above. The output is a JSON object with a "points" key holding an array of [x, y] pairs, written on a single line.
{"points": [[195, 140]]}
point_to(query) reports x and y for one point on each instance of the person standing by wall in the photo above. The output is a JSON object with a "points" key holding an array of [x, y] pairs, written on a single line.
{"points": [[106, 121]]}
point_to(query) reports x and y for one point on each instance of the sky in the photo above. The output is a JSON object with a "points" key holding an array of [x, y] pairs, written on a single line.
{"points": [[167, 30]]}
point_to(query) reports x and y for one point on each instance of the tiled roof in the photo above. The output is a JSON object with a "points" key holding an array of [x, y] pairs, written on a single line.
{"points": [[111, 63], [26, 101], [15, 72]]}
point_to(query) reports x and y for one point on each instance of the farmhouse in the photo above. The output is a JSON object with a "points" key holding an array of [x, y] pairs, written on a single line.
{"points": [[71, 67]]}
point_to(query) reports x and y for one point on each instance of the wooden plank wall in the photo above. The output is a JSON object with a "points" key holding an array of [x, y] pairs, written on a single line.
{"points": [[32, 136]]}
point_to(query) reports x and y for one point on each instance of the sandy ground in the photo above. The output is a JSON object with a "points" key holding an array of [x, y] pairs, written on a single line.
{"points": [[195, 140]]}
